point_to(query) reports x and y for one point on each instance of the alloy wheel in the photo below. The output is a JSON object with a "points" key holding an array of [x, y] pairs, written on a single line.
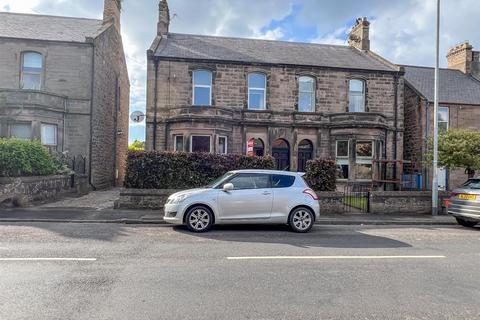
{"points": [[199, 219], [302, 220]]}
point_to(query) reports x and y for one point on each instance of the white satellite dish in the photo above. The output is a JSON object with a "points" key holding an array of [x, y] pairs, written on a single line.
{"points": [[137, 116]]}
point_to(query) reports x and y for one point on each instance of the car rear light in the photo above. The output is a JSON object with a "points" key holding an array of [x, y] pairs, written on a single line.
{"points": [[447, 203], [311, 193]]}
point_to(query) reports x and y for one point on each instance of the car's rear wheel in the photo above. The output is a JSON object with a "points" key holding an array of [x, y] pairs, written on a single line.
{"points": [[301, 220], [199, 219], [465, 223]]}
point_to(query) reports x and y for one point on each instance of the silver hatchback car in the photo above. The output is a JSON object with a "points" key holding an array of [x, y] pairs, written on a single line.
{"points": [[244, 197], [464, 203]]}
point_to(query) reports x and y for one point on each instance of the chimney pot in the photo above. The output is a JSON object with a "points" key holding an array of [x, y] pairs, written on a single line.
{"points": [[163, 18], [112, 12], [359, 36]]}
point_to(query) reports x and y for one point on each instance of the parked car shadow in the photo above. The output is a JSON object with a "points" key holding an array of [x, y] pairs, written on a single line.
{"points": [[320, 236]]}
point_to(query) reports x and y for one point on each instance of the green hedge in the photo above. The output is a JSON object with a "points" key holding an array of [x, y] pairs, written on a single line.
{"points": [[321, 174], [165, 170], [25, 158]]}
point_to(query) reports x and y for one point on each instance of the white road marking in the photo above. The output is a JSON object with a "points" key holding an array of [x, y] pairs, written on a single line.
{"points": [[48, 259], [333, 257]]}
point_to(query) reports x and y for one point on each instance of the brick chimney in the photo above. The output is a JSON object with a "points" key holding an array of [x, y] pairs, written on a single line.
{"points": [[359, 37], [163, 18], [111, 12], [463, 58]]}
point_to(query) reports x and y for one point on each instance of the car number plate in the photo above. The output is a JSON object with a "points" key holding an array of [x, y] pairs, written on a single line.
{"points": [[467, 197]]}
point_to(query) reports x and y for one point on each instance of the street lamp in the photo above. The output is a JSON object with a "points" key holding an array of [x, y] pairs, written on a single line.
{"points": [[435, 119]]}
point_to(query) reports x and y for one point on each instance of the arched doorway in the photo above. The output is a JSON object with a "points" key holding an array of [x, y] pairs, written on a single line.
{"points": [[281, 153], [305, 153], [255, 147]]}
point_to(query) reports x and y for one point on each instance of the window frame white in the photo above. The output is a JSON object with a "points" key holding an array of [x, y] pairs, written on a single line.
{"points": [[364, 160], [200, 135], [226, 144], [447, 109], [194, 86], [175, 142], [23, 72], [264, 89], [356, 93], [313, 94], [55, 135]]}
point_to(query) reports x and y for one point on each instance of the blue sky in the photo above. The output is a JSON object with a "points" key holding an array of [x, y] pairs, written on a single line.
{"points": [[401, 31]]}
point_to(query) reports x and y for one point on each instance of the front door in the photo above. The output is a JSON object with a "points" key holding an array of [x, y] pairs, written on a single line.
{"points": [[252, 198], [281, 153]]}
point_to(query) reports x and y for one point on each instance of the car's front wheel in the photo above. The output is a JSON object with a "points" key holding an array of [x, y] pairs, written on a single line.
{"points": [[465, 223], [199, 219], [301, 220]]}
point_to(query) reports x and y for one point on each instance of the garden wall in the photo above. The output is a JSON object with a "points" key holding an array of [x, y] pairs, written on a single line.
{"points": [[24, 191], [381, 202]]}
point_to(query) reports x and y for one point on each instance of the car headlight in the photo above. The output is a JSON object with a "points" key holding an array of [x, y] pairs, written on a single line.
{"points": [[178, 199]]}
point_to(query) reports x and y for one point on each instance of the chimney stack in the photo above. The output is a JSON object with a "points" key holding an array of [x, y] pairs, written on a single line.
{"points": [[163, 18], [111, 12], [463, 58], [359, 37]]}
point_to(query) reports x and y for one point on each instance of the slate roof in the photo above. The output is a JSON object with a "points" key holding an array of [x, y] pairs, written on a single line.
{"points": [[53, 28], [455, 86], [243, 50]]}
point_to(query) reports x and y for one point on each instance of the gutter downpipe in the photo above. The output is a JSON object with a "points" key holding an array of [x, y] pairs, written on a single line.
{"points": [[91, 117], [395, 136], [155, 100]]}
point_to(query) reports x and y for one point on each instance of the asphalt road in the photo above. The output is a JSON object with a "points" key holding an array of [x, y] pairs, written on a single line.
{"points": [[160, 272]]}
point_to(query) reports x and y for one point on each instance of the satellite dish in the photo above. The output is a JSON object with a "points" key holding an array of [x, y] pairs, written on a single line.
{"points": [[137, 116]]}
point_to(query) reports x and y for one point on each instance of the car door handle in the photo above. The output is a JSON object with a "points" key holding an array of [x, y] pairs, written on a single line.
{"points": [[266, 193]]}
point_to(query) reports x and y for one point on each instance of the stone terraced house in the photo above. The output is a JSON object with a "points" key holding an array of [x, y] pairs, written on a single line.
{"points": [[459, 107], [295, 101], [64, 81]]}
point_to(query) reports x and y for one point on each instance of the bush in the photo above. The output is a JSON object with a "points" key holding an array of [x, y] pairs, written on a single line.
{"points": [[321, 174], [25, 158], [165, 170]]}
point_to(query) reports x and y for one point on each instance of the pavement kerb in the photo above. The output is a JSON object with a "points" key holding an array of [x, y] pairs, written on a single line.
{"points": [[161, 222]]}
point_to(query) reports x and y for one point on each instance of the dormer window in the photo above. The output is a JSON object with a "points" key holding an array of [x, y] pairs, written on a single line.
{"points": [[202, 88], [32, 68], [306, 94], [356, 96]]}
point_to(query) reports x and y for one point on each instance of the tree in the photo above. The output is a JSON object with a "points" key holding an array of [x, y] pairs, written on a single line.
{"points": [[137, 146], [458, 148]]}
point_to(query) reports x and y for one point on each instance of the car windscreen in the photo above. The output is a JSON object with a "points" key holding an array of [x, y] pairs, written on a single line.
{"points": [[219, 181], [472, 184]]}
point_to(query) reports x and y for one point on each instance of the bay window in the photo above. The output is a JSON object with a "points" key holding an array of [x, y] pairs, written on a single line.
{"points": [[49, 134], [200, 144], [364, 159], [343, 158]]}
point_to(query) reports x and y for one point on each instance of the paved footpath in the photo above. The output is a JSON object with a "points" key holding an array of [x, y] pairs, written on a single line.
{"points": [[85, 215], [113, 271]]}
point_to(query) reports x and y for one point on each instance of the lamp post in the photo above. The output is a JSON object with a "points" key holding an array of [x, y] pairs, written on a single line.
{"points": [[435, 118]]}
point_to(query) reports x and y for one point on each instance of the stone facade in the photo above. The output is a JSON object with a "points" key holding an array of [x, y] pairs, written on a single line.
{"points": [[84, 91], [171, 111], [460, 111]]}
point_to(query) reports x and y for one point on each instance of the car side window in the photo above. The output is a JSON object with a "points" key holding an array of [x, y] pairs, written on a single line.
{"points": [[246, 181], [282, 181]]}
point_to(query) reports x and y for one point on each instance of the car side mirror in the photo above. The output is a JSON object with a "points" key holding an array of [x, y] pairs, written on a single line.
{"points": [[228, 187]]}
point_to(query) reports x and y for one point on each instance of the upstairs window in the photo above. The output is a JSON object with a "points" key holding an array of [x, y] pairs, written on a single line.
{"points": [[306, 94], [257, 84], [32, 67], [356, 96], [443, 119], [202, 88]]}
